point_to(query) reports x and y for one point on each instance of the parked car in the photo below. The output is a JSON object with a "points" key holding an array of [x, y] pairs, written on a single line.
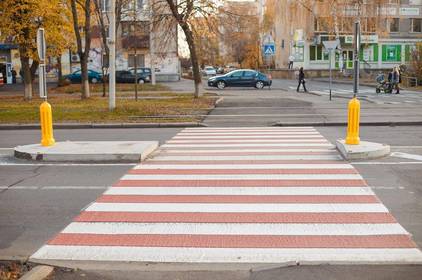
{"points": [[241, 78], [209, 71], [128, 76], [229, 68], [76, 77], [220, 70]]}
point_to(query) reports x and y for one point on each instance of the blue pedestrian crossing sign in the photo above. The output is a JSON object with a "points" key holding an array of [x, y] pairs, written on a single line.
{"points": [[269, 49]]}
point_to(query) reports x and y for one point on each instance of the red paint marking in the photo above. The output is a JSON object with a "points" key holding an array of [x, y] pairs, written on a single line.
{"points": [[233, 241], [237, 162], [175, 142], [240, 171], [252, 138], [322, 148], [164, 153], [241, 183], [238, 198], [253, 146], [181, 217]]}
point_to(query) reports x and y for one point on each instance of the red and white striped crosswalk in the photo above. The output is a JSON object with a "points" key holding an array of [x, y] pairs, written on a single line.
{"points": [[238, 195]]}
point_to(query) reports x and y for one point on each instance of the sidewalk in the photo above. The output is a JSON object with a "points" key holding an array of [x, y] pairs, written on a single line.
{"points": [[361, 83]]}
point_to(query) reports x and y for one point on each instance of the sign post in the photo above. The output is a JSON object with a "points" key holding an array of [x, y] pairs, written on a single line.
{"points": [[41, 47], [46, 116], [330, 46], [356, 58]]}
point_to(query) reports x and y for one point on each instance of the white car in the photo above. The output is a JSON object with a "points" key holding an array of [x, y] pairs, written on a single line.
{"points": [[209, 71]]}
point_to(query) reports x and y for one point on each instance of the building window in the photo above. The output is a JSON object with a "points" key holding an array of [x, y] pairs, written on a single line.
{"points": [[140, 60], [394, 24], [316, 53], [416, 25]]}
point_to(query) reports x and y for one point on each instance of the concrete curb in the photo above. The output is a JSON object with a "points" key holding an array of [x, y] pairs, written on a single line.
{"points": [[398, 123], [101, 125], [365, 150], [343, 82], [272, 267], [39, 272], [88, 151], [342, 97]]}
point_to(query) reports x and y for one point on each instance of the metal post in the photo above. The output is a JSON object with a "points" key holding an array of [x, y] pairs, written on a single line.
{"points": [[112, 58], [136, 76], [356, 58], [331, 52], [151, 48], [135, 17]]}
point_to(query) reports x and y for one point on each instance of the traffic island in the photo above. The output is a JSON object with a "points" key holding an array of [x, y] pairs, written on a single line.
{"points": [[88, 151], [364, 150]]}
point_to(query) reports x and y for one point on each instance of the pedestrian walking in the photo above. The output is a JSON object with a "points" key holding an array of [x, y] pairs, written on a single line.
{"points": [[396, 79], [301, 80], [291, 59], [14, 76]]}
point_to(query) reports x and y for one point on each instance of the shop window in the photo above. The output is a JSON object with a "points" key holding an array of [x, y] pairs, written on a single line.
{"points": [[316, 53], [416, 25], [312, 53], [391, 53]]}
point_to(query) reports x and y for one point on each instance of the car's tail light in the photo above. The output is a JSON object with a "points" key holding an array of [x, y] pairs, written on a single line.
{"points": [[270, 77]]}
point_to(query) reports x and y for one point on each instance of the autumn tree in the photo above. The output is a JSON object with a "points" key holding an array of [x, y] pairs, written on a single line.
{"points": [[81, 16], [206, 34], [240, 33], [416, 61], [184, 14], [19, 22]]}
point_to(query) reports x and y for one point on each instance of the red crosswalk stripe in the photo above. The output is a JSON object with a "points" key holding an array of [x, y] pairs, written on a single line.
{"points": [[258, 195]]}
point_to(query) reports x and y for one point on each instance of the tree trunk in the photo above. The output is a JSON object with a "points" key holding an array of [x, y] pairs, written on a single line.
{"points": [[26, 75], [194, 60], [59, 66], [84, 77]]}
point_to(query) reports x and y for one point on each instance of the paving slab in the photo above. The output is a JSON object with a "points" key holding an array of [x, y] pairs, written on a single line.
{"points": [[121, 151]]}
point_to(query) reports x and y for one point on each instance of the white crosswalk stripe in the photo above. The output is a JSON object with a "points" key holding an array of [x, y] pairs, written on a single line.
{"points": [[238, 195]]}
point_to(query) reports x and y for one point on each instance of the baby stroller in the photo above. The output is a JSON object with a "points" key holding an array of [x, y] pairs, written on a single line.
{"points": [[383, 85]]}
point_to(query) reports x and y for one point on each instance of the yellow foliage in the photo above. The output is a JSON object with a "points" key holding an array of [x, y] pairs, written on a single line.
{"points": [[21, 18]]}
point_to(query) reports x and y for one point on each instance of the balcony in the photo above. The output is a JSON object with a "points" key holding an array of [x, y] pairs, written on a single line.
{"points": [[135, 42]]}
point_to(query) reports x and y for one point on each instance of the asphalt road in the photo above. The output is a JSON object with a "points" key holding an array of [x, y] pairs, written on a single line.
{"points": [[37, 201]]}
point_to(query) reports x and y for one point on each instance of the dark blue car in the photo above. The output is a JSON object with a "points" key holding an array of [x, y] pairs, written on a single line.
{"points": [[93, 77], [241, 78]]}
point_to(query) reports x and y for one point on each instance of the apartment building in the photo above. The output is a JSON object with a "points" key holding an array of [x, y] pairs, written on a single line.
{"points": [[389, 30]]}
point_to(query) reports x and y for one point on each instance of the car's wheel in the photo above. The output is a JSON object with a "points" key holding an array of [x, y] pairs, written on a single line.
{"points": [[221, 84], [141, 81], [94, 80], [259, 85]]}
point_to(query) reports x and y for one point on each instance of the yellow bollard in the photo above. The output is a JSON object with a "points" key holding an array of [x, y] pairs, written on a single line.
{"points": [[47, 138], [352, 137]]}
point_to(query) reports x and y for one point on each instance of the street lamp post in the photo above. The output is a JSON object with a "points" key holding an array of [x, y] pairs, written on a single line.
{"points": [[112, 57], [135, 15]]}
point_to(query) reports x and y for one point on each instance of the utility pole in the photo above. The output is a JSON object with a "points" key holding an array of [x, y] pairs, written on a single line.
{"points": [[356, 58], [135, 17], [151, 47], [112, 57]]}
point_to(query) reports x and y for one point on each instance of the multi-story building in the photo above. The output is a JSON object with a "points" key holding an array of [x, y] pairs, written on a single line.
{"points": [[137, 35], [389, 28]]}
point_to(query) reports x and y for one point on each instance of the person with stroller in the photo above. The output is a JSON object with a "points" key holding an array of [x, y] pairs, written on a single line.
{"points": [[301, 80], [396, 79]]}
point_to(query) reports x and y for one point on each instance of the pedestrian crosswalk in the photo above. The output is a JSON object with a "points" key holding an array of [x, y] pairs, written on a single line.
{"points": [[238, 195]]}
